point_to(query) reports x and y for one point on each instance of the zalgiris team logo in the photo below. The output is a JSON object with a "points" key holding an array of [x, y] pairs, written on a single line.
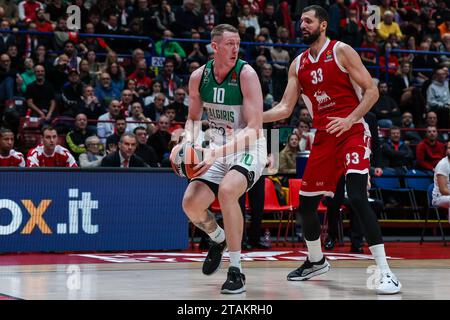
{"points": [[233, 80]]}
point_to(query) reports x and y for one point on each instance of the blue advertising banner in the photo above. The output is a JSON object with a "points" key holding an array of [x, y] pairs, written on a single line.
{"points": [[42, 211]]}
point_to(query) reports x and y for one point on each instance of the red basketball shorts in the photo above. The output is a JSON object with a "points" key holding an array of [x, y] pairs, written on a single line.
{"points": [[332, 156]]}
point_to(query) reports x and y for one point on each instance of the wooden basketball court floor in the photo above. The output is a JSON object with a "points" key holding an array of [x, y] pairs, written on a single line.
{"points": [[422, 279]]}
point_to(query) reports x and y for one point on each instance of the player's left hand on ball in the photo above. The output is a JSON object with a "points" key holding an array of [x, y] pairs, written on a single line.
{"points": [[209, 156], [338, 125]]}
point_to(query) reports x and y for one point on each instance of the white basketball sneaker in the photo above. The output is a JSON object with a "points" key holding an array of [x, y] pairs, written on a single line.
{"points": [[388, 284]]}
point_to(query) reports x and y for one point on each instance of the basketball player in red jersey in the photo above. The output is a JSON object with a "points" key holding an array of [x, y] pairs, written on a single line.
{"points": [[8, 156], [338, 91]]}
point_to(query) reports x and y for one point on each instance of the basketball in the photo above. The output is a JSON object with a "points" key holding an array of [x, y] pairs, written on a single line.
{"points": [[186, 159]]}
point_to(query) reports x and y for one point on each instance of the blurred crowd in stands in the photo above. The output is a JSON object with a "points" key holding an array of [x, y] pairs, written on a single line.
{"points": [[99, 101]]}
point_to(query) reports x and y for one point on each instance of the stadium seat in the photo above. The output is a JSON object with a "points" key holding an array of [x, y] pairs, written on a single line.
{"points": [[389, 181], [294, 202], [272, 205], [436, 210], [418, 181]]}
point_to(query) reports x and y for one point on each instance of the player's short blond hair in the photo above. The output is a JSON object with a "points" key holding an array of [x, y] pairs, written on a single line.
{"points": [[219, 30]]}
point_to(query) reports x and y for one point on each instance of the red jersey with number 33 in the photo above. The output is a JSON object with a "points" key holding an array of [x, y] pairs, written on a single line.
{"points": [[327, 89]]}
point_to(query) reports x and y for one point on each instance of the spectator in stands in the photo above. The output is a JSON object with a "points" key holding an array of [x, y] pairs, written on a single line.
{"points": [[388, 26], [113, 28], [7, 78], [431, 119], [423, 61], [130, 84], [105, 125], [441, 12], [138, 119], [156, 88], [11, 11], [392, 63], [209, 15], [248, 18], [229, 15], [169, 79], [143, 82], [160, 140], [94, 67], [431, 30], [179, 105], [268, 19], [402, 81], [28, 75], [170, 112], [165, 16], [125, 156], [27, 10], [72, 94], [90, 105], [8, 156], [126, 101], [441, 190], [351, 31], [105, 92], [260, 61], [288, 156], [429, 151], [76, 138], [136, 56], [42, 23], [148, 20], [260, 49], [93, 44], [172, 49], [16, 61], [71, 52], [386, 109], [120, 127], [409, 136], [143, 150], [6, 39], [395, 152], [41, 96], [57, 75], [187, 20], [55, 9], [49, 153], [85, 74], [305, 137], [92, 157], [156, 109], [196, 51], [438, 97], [117, 75]]}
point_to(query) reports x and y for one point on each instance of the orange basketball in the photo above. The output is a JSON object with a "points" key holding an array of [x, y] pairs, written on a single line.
{"points": [[191, 158], [186, 159]]}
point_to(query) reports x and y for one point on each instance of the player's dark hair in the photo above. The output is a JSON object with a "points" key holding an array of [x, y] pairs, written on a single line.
{"points": [[47, 128], [319, 12], [4, 131]]}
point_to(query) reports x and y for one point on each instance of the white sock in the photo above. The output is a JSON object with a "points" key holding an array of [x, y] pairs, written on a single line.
{"points": [[314, 250], [218, 235], [379, 255], [235, 259]]}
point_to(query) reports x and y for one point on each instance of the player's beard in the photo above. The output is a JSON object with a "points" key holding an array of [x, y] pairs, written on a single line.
{"points": [[312, 37]]}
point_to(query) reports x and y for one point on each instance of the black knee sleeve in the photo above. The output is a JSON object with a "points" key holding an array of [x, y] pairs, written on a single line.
{"points": [[357, 194], [308, 218]]}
